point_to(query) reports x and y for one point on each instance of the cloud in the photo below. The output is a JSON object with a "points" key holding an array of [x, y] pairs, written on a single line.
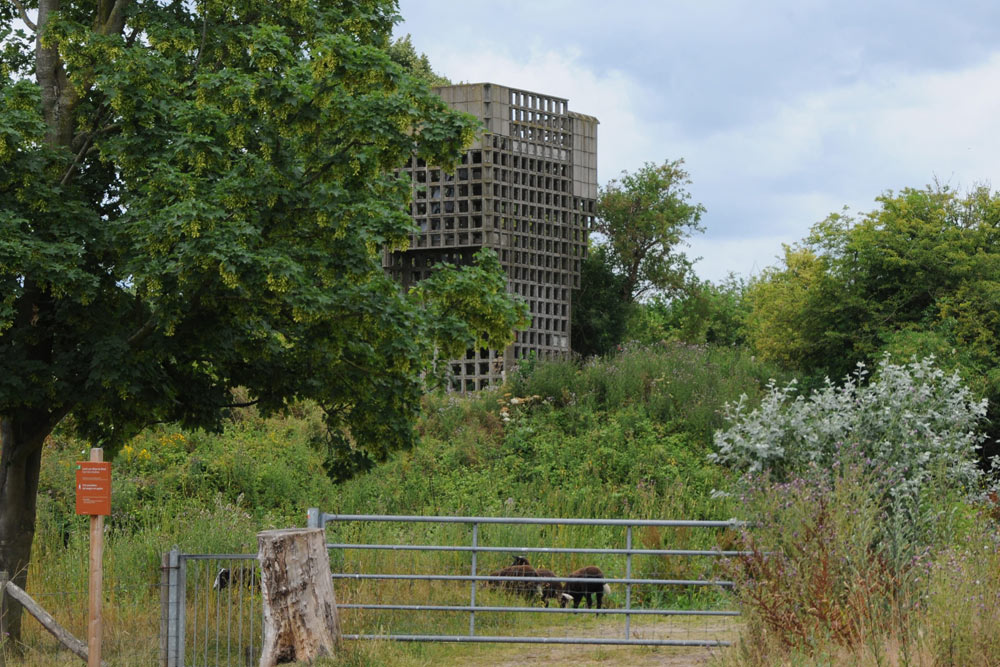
{"points": [[745, 257], [783, 113]]}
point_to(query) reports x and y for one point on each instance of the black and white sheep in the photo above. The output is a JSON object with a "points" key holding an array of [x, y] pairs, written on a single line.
{"points": [[578, 590], [553, 590], [247, 575]]}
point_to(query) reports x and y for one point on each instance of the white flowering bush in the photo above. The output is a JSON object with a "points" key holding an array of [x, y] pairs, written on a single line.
{"points": [[909, 422], [850, 491]]}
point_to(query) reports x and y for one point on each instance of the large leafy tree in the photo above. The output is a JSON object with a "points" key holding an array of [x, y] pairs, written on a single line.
{"points": [[194, 196], [918, 275], [644, 217]]}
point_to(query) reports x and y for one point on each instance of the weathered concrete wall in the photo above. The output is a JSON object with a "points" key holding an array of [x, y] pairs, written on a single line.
{"points": [[526, 188]]}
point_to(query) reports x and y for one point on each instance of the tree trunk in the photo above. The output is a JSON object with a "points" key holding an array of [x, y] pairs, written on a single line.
{"points": [[20, 460], [300, 611]]}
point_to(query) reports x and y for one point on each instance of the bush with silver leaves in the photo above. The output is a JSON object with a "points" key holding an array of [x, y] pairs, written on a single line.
{"points": [[910, 422]]}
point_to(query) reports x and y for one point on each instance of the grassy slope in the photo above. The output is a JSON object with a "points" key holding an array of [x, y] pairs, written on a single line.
{"points": [[621, 437], [624, 436]]}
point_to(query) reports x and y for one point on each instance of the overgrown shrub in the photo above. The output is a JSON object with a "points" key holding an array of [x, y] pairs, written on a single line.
{"points": [[853, 493], [961, 610], [912, 422], [816, 569]]}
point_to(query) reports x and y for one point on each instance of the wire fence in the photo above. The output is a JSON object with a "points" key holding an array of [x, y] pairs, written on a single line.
{"points": [[210, 610]]}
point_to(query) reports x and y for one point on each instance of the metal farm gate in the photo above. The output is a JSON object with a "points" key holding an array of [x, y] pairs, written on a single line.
{"points": [[403, 577]]}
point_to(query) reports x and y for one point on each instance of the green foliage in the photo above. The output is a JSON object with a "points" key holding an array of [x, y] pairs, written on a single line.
{"points": [[913, 423], [962, 605], [404, 54], [830, 576], [919, 274], [624, 435], [644, 217], [599, 313], [816, 571], [468, 306], [206, 207], [268, 470], [705, 313]]}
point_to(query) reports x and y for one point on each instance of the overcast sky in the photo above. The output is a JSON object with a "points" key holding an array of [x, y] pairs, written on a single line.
{"points": [[783, 111]]}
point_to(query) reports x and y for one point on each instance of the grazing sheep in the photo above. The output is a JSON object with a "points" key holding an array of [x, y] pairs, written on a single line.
{"points": [[244, 574], [584, 589], [523, 585], [553, 590]]}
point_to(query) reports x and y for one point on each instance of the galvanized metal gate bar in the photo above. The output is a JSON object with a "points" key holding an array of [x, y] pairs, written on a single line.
{"points": [[512, 520], [539, 550], [215, 645], [318, 519], [542, 610], [468, 577]]}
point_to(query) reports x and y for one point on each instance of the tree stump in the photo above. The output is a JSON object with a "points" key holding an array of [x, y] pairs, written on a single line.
{"points": [[300, 611]]}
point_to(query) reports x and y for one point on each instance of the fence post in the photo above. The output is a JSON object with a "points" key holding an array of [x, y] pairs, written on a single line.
{"points": [[628, 575], [300, 608], [164, 611], [172, 608], [181, 588], [313, 518], [472, 602]]}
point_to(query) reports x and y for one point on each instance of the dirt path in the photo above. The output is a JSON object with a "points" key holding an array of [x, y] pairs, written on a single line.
{"points": [[509, 655]]}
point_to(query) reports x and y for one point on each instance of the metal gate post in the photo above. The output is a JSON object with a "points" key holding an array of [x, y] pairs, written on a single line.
{"points": [[313, 519], [181, 607], [472, 584], [628, 575], [172, 603]]}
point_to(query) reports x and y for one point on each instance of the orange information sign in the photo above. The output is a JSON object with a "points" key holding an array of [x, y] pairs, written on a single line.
{"points": [[93, 488]]}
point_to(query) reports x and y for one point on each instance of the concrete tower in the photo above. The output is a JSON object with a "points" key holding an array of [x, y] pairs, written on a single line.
{"points": [[526, 189]]}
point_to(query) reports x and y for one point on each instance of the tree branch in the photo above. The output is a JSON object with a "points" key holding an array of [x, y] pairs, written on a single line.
{"points": [[329, 163], [115, 20], [24, 16], [242, 404], [204, 35], [85, 148], [142, 333]]}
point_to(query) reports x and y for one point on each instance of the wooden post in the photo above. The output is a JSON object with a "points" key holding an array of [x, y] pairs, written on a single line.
{"points": [[300, 611], [49, 623], [95, 622]]}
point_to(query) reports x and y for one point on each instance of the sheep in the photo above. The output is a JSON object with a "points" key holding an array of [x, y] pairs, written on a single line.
{"points": [[583, 589], [553, 590], [523, 585], [244, 574]]}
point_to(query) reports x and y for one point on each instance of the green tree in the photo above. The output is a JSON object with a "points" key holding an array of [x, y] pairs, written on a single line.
{"points": [[404, 54], [599, 314], [705, 313], [918, 275], [195, 197], [643, 218]]}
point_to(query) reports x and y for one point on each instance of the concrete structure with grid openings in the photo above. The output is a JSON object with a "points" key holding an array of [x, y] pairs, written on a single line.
{"points": [[526, 188]]}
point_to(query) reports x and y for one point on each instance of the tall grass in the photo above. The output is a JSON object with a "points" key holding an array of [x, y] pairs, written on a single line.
{"points": [[860, 496], [625, 436]]}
